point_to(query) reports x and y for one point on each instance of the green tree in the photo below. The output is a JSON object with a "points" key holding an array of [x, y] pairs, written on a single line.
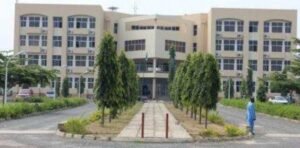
{"points": [[65, 87], [212, 84], [261, 91], [82, 86], [108, 84], [229, 89], [172, 67], [243, 88], [250, 84], [57, 87]]}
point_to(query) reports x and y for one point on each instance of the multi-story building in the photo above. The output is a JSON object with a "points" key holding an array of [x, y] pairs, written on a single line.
{"points": [[66, 37]]}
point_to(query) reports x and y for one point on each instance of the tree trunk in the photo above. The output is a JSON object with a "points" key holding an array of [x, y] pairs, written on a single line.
{"points": [[206, 113], [195, 113], [192, 112], [110, 116], [102, 118], [200, 114], [187, 111]]}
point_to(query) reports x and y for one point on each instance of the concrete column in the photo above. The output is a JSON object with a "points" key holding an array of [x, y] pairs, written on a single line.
{"points": [[154, 65], [153, 88]]}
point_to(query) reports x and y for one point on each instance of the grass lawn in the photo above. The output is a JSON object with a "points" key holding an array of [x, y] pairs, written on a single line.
{"points": [[291, 111], [116, 125], [196, 130]]}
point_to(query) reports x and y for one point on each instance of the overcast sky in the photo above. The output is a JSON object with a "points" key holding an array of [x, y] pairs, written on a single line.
{"points": [[171, 7]]}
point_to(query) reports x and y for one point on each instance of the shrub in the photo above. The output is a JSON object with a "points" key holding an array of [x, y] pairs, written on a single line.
{"points": [[97, 115], [76, 126], [214, 117], [209, 133], [233, 131]]}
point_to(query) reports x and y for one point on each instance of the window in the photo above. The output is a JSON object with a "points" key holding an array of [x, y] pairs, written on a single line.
{"points": [[220, 64], [45, 21], [253, 45], [34, 21], [228, 64], [70, 60], [33, 59], [133, 45], [177, 45], [229, 26], [22, 59], [80, 60], [277, 46], [44, 60], [266, 46], [70, 82], [77, 83], [92, 22], [22, 40], [44, 40], [253, 26], [71, 22], [288, 27], [90, 83], [116, 45], [266, 65], [219, 26], [70, 41], [115, 28], [276, 65], [287, 46], [229, 45], [194, 47], [240, 45], [56, 60], [57, 22], [240, 26], [81, 22], [81, 41], [34, 40], [23, 20], [266, 27], [55, 81], [56, 41], [239, 64], [253, 64], [277, 27], [91, 42], [238, 86], [91, 61], [195, 30], [218, 45]]}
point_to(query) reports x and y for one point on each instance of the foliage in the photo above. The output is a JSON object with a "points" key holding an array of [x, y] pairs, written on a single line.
{"points": [[57, 87], [76, 126], [290, 111], [16, 110], [229, 85], [214, 117], [209, 133], [117, 81], [243, 88], [250, 84], [82, 86], [196, 84], [172, 67], [65, 87], [261, 91], [233, 131]]}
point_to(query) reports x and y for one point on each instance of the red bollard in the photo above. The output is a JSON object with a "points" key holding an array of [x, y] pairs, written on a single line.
{"points": [[143, 123], [167, 125]]}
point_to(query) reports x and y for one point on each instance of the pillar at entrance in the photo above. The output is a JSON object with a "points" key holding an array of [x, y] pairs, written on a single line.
{"points": [[153, 88]]}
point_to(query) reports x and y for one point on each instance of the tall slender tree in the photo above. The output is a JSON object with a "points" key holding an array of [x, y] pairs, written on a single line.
{"points": [[243, 88], [172, 67], [65, 87], [107, 89], [229, 89], [250, 84]]}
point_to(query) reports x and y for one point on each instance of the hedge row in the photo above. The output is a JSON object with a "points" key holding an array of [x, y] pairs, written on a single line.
{"points": [[17, 110], [290, 111]]}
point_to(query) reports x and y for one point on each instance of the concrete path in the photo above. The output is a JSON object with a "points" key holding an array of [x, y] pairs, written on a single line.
{"points": [[155, 124]]}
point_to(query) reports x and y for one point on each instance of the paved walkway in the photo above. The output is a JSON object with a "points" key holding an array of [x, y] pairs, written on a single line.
{"points": [[155, 124]]}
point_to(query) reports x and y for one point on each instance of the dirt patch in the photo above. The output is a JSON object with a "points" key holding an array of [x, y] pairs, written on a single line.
{"points": [[116, 125]]}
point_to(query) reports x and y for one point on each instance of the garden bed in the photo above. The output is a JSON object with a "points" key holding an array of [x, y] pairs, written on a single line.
{"points": [[217, 129], [290, 111], [21, 109]]}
